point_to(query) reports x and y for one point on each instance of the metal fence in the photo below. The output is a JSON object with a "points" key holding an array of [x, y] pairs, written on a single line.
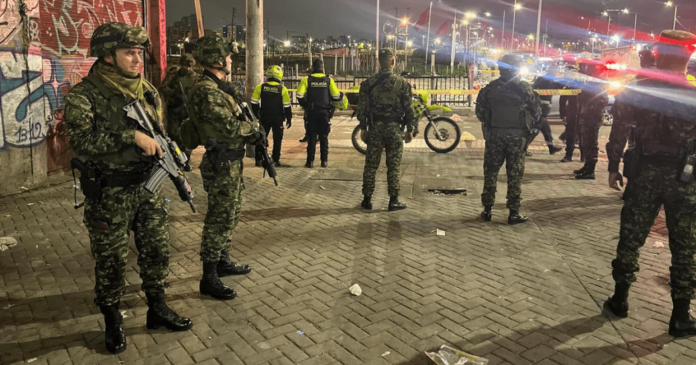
{"points": [[417, 83]]}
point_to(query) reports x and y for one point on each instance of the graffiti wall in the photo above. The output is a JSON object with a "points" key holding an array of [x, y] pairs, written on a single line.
{"points": [[44, 52]]}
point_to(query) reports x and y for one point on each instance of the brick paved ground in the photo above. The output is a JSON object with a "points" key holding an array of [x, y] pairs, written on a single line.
{"points": [[527, 294]]}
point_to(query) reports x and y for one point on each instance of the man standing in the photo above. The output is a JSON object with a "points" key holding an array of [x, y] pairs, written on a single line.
{"points": [[173, 88], [384, 109], [223, 130], [508, 109], [319, 96], [591, 101], [547, 82], [271, 104], [658, 112], [569, 112], [121, 159]]}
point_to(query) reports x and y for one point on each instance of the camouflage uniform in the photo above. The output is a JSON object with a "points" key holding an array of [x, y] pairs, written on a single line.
{"points": [[218, 117], [99, 131], [176, 101], [663, 131], [505, 145], [391, 104], [591, 103]]}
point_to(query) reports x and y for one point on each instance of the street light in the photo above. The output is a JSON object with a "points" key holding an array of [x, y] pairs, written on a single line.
{"points": [[488, 14], [404, 22], [670, 4], [514, 18], [605, 13]]}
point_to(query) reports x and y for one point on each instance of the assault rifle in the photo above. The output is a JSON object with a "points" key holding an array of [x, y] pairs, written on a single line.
{"points": [[172, 161]]}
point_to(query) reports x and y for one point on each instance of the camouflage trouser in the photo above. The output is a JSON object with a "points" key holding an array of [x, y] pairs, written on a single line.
{"points": [[387, 136], [509, 149], [224, 190], [656, 185], [590, 122], [109, 223]]}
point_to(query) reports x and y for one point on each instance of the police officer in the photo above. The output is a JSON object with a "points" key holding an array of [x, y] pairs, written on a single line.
{"points": [[508, 109], [658, 111], [319, 96], [569, 111], [173, 88], [224, 131], [384, 110], [274, 108], [121, 159], [547, 82], [591, 103]]}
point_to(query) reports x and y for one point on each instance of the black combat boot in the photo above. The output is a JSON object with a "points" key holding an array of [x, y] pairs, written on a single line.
{"points": [[309, 164], [581, 170], [114, 336], [226, 267], [516, 218], [211, 284], [589, 173], [395, 205], [276, 162], [528, 154], [161, 315], [324, 164], [304, 139], [617, 303], [553, 149], [259, 163], [567, 158], [487, 214], [682, 323], [366, 203]]}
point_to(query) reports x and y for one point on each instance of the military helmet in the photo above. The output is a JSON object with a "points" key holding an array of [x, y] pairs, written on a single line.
{"points": [[275, 72], [213, 50], [385, 55], [510, 61], [187, 60], [110, 36]]}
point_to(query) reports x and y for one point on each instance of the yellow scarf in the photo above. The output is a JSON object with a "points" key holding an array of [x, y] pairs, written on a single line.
{"points": [[130, 87]]}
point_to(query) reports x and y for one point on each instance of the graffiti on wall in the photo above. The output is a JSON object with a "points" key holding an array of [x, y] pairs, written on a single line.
{"points": [[11, 26], [67, 25]]}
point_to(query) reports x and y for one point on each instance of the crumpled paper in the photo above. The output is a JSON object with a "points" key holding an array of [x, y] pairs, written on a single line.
{"points": [[355, 290], [7, 242]]}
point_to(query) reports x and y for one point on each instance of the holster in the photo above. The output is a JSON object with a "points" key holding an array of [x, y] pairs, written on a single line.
{"points": [[631, 159], [220, 156]]}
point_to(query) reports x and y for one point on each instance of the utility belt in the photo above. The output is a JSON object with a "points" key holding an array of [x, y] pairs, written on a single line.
{"points": [[220, 156], [388, 120], [634, 158], [509, 131], [93, 179]]}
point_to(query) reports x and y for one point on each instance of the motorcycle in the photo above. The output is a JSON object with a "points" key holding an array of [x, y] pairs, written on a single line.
{"points": [[441, 134]]}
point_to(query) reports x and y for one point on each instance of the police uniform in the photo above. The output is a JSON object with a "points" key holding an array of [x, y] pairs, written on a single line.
{"points": [[658, 112], [118, 203], [271, 103], [384, 111], [224, 131], [508, 109], [591, 103], [569, 111], [175, 89], [319, 96]]}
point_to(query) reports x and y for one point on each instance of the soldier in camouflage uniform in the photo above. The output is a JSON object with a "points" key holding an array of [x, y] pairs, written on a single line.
{"points": [[384, 109], [508, 109], [591, 102], [171, 90], [121, 157], [658, 111], [224, 131]]}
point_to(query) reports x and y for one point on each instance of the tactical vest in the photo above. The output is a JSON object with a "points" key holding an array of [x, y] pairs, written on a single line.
{"points": [[507, 110], [318, 92], [112, 118], [384, 98], [272, 103], [204, 132]]}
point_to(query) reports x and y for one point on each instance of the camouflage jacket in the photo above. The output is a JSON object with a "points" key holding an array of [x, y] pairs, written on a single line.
{"points": [[170, 89], [217, 115], [99, 130], [660, 116], [593, 98], [402, 109], [484, 107]]}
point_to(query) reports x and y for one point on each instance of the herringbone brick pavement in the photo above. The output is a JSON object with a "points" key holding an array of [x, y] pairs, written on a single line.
{"points": [[528, 294]]}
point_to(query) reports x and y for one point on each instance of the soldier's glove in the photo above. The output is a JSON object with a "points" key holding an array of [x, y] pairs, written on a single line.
{"points": [[260, 137]]}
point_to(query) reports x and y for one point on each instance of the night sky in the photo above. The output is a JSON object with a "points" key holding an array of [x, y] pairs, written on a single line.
{"points": [[321, 18]]}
